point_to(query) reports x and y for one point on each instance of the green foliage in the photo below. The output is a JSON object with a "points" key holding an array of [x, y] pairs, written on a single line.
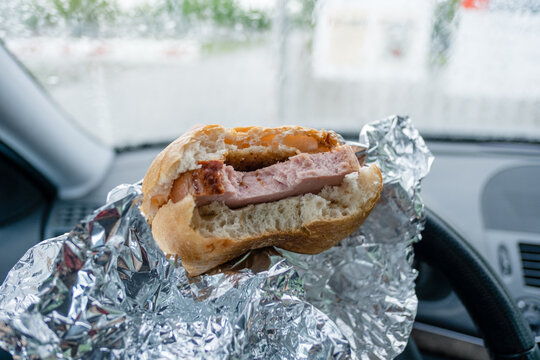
{"points": [[86, 11], [80, 15], [225, 13], [444, 26], [88, 17], [305, 17]]}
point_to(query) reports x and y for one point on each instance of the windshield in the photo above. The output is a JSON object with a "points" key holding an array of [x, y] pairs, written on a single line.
{"points": [[133, 72]]}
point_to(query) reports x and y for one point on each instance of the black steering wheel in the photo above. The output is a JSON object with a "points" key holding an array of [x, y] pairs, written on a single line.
{"points": [[506, 333]]}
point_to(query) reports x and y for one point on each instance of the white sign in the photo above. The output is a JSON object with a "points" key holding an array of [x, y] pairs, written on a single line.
{"points": [[385, 39]]}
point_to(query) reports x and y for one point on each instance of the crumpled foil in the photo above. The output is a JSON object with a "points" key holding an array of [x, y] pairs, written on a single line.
{"points": [[106, 291]]}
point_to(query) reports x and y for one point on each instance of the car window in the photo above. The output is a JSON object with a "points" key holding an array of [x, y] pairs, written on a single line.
{"points": [[136, 72]]}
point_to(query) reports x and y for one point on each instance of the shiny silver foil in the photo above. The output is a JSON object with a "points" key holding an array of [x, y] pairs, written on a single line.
{"points": [[106, 291]]}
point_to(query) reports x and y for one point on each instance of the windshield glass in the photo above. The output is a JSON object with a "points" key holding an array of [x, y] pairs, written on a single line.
{"points": [[133, 72]]}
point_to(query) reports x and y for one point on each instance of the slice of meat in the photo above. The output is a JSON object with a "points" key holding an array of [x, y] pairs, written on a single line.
{"points": [[301, 174]]}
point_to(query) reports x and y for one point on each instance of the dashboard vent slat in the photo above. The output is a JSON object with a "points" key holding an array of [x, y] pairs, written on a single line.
{"points": [[530, 262], [530, 248], [531, 273], [530, 265], [530, 256]]}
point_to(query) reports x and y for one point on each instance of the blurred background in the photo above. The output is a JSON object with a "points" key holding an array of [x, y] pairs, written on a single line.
{"points": [[135, 72]]}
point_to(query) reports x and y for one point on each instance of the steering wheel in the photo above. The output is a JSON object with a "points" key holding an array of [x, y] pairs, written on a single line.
{"points": [[506, 333]]}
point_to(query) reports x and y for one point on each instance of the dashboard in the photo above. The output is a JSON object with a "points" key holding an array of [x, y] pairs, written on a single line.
{"points": [[490, 193]]}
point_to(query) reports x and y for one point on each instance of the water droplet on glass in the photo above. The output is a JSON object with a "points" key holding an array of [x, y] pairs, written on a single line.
{"points": [[53, 80]]}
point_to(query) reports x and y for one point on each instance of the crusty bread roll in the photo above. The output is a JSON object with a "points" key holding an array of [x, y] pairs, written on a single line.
{"points": [[209, 235]]}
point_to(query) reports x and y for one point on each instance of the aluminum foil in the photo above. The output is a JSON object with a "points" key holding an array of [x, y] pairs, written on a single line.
{"points": [[106, 291]]}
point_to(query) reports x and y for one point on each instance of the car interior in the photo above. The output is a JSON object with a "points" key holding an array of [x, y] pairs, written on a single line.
{"points": [[478, 264]]}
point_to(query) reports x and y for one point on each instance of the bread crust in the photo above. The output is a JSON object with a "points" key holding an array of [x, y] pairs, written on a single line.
{"points": [[172, 223]]}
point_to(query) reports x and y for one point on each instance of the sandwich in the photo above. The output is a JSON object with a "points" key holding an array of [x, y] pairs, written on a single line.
{"points": [[215, 193]]}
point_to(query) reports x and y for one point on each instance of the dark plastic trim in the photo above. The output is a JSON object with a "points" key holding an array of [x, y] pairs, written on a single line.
{"points": [[37, 179]]}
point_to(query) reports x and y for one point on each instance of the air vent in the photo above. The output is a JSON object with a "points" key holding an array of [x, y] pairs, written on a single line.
{"points": [[68, 214], [530, 261]]}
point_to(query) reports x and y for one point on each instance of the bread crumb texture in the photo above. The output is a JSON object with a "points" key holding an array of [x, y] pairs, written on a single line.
{"points": [[217, 220]]}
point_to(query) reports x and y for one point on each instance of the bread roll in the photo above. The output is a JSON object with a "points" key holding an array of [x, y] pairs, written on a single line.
{"points": [[209, 235]]}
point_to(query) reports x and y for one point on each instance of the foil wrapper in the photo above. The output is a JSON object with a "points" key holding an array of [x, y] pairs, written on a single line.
{"points": [[106, 291]]}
